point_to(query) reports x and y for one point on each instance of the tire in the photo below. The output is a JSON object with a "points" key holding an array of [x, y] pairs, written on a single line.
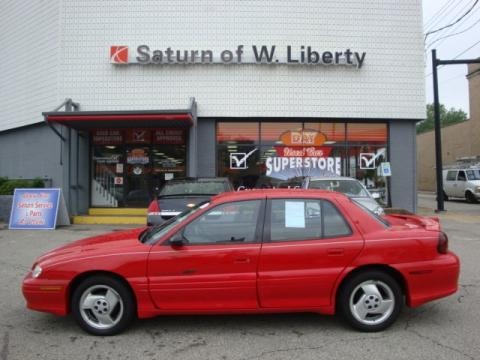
{"points": [[470, 197], [108, 305], [370, 301]]}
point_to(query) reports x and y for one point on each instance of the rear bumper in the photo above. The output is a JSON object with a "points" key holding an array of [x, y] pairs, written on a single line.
{"points": [[45, 295], [431, 280]]}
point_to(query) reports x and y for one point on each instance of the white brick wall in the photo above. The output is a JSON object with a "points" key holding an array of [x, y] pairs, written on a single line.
{"points": [[389, 85], [29, 39]]}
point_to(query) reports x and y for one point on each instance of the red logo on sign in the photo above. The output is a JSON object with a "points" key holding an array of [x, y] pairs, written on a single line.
{"points": [[119, 54]]}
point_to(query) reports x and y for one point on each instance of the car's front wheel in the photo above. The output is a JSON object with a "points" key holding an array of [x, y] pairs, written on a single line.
{"points": [[103, 305], [370, 301]]}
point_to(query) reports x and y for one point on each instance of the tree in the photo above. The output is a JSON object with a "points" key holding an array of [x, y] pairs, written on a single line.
{"points": [[447, 117]]}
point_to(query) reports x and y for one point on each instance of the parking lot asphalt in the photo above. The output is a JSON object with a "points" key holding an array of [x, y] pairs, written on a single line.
{"points": [[444, 329]]}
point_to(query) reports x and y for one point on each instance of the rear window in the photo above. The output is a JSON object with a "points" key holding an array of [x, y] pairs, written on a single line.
{"points": [[349, 187], [378, 218]]}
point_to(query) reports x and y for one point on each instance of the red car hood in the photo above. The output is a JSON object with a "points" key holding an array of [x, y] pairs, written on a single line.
{"points": [[413, 221], [97, 244]]}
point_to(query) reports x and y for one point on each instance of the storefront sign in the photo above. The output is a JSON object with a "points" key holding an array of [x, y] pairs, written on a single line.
{"points": [[238, 161], [303, 138], [303, 156], [113, 159], [254, 54], [368, 160], [138, 156], [34, 209], [288, 167], [138, 136], [107, 137], [301, 151], [169, 136]]}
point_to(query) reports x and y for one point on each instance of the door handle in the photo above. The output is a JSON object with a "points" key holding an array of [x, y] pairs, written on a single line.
{"points": [[189, 272], [335, 252], [242, 261]]}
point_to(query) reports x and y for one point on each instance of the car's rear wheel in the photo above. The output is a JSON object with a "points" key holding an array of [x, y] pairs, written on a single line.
{"points": [[470, 197], [103, 305], [370, 301]]}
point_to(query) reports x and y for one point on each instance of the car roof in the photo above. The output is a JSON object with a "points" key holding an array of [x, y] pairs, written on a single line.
{"points": [[199, 179], [276, 193], [317, 178]]}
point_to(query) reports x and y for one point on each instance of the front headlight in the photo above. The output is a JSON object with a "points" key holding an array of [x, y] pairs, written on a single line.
{"points": [[37, 270], [477, 189]]}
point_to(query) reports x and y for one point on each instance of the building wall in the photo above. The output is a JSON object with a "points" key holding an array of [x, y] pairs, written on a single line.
{"points": [[35, 151], [402, 153], [207, 155], [389, 85], [29, 49], [459, 140], [20, 155]]}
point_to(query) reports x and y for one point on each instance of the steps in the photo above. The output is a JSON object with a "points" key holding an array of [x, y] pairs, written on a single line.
{"points": [[113, 216]]}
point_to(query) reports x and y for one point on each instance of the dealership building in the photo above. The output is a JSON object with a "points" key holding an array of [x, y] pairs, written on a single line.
{"points": [[107, 100]]}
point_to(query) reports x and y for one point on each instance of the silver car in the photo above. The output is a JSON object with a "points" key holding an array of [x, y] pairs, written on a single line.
{"points": [[349, 186]]}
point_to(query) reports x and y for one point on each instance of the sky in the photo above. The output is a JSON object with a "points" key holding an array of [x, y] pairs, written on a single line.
{"points": [[453, 86]]}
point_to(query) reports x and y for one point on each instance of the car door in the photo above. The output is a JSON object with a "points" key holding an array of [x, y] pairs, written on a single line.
{"points": [[216, 266], [449, 184], [307, 244], [460, 184]]}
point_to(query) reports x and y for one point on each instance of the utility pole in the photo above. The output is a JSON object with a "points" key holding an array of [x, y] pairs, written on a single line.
{"points": [[436, 109]]}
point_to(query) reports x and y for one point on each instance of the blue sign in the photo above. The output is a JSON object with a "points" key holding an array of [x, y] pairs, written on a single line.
{"points": [[34, 209], [386, 169]]}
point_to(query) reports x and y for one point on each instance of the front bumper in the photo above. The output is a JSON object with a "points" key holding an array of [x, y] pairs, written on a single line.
{"points": [[46, 295]]}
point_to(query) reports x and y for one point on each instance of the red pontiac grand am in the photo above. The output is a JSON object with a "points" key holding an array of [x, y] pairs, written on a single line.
{"points": [[251, 252]]}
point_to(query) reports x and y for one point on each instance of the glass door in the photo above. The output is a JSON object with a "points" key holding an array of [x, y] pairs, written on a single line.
{"points": [[137, 176], [107, 181]]}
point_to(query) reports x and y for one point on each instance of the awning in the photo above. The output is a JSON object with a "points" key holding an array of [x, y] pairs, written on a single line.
{"points": [[85, 120]]}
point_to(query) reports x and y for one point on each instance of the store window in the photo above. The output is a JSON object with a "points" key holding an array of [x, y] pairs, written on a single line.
{"points": [[280, 154]]}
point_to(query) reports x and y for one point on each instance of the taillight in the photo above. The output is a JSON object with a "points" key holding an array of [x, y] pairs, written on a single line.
{"points": [[442, 246], [153, 207]]}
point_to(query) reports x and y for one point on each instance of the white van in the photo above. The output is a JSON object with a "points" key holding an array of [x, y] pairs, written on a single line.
{"points": [[462, 183]]}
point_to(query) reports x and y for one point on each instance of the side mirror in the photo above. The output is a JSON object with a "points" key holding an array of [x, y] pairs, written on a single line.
{"points": [[177, 240]]}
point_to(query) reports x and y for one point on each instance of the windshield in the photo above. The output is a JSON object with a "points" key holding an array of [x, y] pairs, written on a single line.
{"points": [[193, 188], [151, 235], [349, 187], [473, 174]]}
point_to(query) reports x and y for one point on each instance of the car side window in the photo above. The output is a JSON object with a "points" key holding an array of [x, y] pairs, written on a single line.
{"points": [[305, 219], [227, 223], [451, 175], [295, 219], [334, 223], [461, 176]]}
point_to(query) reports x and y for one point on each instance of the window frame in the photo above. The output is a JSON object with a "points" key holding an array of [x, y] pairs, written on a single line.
{"points": [[258, 226], [267, 238]]}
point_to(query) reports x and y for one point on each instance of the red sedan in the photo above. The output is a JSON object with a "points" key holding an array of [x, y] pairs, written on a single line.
{"points": [[251, 252]]}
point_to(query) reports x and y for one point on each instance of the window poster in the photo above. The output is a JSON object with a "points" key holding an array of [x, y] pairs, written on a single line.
{"points": [[294, 214]]}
